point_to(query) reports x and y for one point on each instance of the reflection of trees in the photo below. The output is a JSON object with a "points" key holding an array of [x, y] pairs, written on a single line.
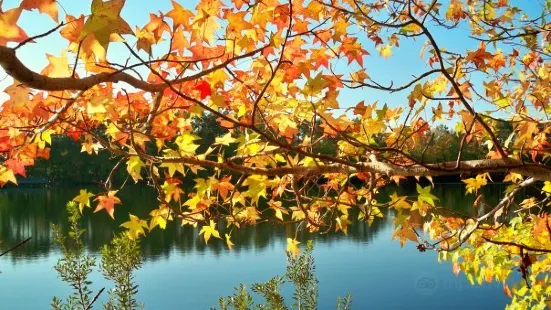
{"points": [[28, 212]]}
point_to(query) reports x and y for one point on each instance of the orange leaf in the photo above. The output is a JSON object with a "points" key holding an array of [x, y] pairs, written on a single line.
{"points": [[44, 6], [10, 32], [108, 203]]}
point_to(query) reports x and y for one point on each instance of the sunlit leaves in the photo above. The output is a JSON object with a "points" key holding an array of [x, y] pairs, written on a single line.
{"points": [[425, 195], [135, 227], [404, 233], [6, 175], [209, 230], [83, 199], [229, 243], [547, 188], [225, 140], [256, 186], [105, 21], [292, 246], [159, 217], [44, 6], [11, 32], [474, 184], [185, 143], [134, 167], [254, 113], [107, 203]]}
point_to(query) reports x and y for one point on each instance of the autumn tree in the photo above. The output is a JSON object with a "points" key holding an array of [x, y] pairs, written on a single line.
{"points": [[265, 70]]}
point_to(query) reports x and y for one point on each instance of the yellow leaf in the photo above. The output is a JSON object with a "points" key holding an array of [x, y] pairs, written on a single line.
{"points": [[228, 242], [185, 143], [292, 246], [209, 230], [547, 188], [6, 175], [225, 140], [385, 51], [473, 184], [83, 199], [159, 217], [135, 227], [134, 166]]}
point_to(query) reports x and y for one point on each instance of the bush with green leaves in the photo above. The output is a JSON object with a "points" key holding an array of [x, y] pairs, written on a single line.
{"points": [[300, 273], [119, 260]]}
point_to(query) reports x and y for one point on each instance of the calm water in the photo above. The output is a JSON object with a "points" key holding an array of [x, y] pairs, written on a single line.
{"points": [[181, 272]]}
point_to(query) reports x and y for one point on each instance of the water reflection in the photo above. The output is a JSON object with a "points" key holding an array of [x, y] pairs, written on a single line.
{"points": [[28, 212], [178, 263]]}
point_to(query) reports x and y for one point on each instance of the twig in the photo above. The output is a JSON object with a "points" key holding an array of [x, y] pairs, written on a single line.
{"points": [[16, 246], [95, 299]]}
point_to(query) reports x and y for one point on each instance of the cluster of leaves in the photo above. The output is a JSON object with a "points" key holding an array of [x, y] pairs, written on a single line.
{"points": [[272, 73], [118, 262], [300, 273]]}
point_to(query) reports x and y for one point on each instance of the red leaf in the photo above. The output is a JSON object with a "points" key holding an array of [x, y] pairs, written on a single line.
{"points": [[17, 166], [204, 89]]}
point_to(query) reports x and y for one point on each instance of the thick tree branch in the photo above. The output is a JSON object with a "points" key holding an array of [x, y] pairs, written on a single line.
{"points": [[16, 69], [536, 171]]}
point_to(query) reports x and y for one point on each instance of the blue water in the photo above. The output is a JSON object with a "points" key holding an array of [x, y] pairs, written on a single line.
{"points": [[180, 272]]}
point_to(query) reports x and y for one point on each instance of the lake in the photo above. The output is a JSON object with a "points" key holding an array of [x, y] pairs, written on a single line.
{"points": [[181, 272]]}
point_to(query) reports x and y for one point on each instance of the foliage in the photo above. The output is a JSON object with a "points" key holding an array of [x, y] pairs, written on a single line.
{"points": [[288, 83], [300, 273], [118, 261], [75, 265]]}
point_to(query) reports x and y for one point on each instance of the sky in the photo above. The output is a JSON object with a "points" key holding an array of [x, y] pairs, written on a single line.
{"points": [[399, 68]]}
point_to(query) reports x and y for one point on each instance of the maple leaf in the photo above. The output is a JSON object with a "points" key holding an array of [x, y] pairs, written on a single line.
{"points": [[83, 199], [547, 188], [179, 41], [278, 208], [6, 175], [44, 6], [224, 186], [180, 15], [135, 227], [159, 217], [425, 195], [17, 166], [134, 167], [10, 32], [105, 21], [209, 230], [292, 246], [404, 233], [171, 190], [205, 25], [455, 11], [474, 184], [204, 89], [58, 66], [145, 40], [185, 143], [228, 241], [107, 203], [314, 86], [480, 56], [73, 28], [399, 202], [385, 51], [225, 140]]}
